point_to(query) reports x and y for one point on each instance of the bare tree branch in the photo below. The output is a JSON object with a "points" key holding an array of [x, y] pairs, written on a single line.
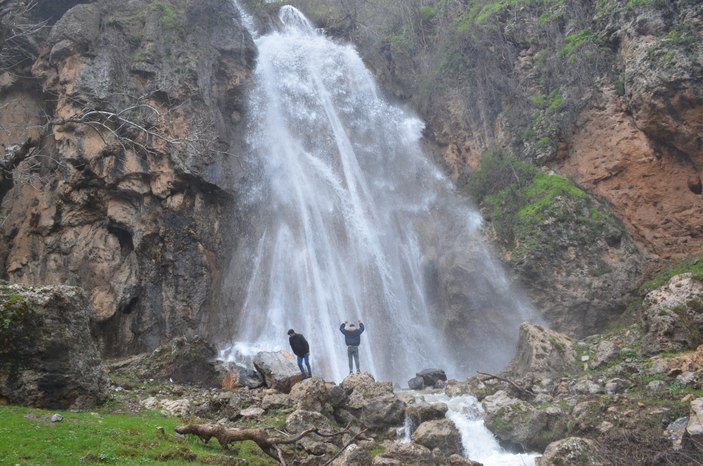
{"points": [[268, 443]]}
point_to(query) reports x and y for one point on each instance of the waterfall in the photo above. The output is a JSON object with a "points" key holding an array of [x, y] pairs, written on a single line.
{"points": [[350, 220]]}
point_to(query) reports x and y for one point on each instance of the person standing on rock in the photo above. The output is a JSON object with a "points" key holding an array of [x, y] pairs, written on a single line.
{"points": [[300, 347], [352, 338]]}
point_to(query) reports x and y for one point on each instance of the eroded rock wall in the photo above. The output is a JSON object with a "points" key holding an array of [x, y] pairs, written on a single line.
{"points": [[133, 110]]}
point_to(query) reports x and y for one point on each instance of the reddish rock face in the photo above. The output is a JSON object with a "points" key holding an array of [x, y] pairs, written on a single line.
{"points": [[648, 185]]}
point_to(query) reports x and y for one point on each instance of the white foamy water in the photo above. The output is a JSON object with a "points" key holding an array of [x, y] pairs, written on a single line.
{"points": [[479, 443], [350, 220]]}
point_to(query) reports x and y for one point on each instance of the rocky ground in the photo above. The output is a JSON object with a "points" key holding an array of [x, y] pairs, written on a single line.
{"points": [[632, 395]]}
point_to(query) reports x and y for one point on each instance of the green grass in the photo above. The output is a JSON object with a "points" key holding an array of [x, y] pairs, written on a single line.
{"points": [[30, 438], [693, 266]]}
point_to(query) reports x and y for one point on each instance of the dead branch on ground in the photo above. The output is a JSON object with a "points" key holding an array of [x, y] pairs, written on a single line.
{"points": [[519, 388], [269, 443]]}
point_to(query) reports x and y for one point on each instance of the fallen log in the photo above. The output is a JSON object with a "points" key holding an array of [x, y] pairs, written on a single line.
{"points": [[269, 443]]}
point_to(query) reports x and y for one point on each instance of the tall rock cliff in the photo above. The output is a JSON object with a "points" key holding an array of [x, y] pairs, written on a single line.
{"points": [[121, 131]]}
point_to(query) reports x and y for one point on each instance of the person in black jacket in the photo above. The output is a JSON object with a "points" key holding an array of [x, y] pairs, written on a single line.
{"points": [[300, 347], [352, 338]]}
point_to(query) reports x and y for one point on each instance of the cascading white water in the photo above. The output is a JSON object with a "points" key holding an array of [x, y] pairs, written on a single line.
{"points": [[478, 442], [353, 222]]}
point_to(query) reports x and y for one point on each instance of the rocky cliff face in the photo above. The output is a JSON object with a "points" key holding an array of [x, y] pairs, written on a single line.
{"points": [[121, 141]]}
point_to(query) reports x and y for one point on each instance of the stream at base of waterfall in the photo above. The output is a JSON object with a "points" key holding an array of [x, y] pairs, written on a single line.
{"points": [[478, 442]]}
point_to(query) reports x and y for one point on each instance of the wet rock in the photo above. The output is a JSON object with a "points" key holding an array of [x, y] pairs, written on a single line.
{"points": [[432, 377], [416, 383], [441, 434], [519, 423], [422, 412], [47, 356], [383, 412], [337, 396]]}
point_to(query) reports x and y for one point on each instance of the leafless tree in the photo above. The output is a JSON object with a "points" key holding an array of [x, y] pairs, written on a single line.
{"points": [[17, 33]]}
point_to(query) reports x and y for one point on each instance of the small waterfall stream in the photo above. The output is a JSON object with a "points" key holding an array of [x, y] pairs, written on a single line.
{"points": [[478, 442], [351, 221]]}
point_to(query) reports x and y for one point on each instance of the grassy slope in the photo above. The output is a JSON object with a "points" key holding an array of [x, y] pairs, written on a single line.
{"points": [[29, 437]]}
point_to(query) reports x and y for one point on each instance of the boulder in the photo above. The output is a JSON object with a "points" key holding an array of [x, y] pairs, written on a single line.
{"points": [[422, 412], [404, 454], [572, 451], [416, 383], [432, 377], [694, 426], [237, 376], [278, 369], [362, 387], [518, 423], [675, 432], [353, 455], [383, 412], [179, 408], [673, 316], [47, 356], [300, 420], [458, 460], [688, 362], [183, 360], [310, 394], [441, 434], [276, 401], [542, 352], [374, 403]]}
